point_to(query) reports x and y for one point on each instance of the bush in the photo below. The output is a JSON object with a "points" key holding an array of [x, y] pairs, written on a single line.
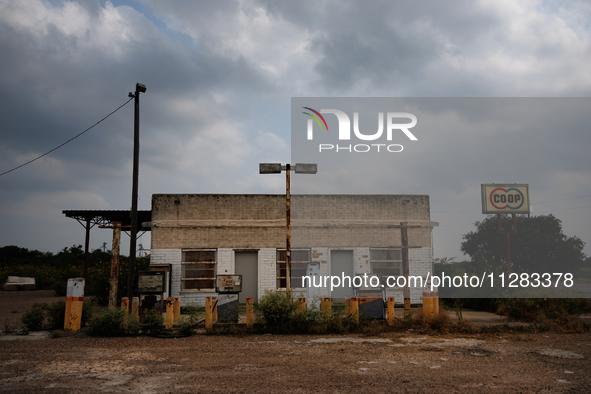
{"points": [[278, 311], [33, 319], [56, 314], [152, 321], [110, 322]]}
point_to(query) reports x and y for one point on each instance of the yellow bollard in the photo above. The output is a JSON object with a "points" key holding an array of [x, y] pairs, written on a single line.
{"points": [[302, 305], [169, 313], [355, 308], [406, 307], [67, 324], [135, 308], [326, 305], [75, 298], [435, 303], [208, 313], [177, 308], [390, 311], [249, 312], [347, 306], [427, 306]]}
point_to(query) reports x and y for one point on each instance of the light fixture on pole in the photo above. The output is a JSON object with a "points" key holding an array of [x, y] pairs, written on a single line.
{"points": [[277, 168]]}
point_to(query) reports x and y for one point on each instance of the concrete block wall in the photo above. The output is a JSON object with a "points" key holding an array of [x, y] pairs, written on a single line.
{"points": [[267, 270]]}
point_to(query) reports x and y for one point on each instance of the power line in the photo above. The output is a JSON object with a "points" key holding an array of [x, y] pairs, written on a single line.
{"points": [[71, 139], [534, 204]]}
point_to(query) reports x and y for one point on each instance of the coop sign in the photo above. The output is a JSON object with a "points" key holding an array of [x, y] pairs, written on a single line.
{"points": [[505, 198]]}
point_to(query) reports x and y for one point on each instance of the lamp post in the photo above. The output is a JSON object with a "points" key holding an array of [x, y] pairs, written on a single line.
{"points": [[276, 168]]}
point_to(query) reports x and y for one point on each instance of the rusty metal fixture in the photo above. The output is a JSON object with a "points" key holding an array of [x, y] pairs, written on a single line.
{"points": [[288, 234], [115, 265]]}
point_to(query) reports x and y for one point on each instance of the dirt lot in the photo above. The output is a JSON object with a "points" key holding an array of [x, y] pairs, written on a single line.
{"points": [[394, 362]]}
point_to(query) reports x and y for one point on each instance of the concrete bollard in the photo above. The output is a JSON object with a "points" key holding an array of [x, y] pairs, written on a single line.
{"points": [[326, 305], [435, 303], [302, 305], [427, 305], [347, 306], [249, 312], [208, 313], [355, 308], [74, 300], [169, 313], [177, 308], [390, 311]]}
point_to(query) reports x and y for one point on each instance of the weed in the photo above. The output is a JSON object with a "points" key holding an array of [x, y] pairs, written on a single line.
{"points": [[33, 319], [56, 334], [108, 323]]}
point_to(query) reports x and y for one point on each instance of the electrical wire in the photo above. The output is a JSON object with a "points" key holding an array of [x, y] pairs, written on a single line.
{"points": [[71, 139]]}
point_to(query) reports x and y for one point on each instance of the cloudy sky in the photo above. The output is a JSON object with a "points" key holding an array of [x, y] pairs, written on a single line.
{"points": [[220, 77]]}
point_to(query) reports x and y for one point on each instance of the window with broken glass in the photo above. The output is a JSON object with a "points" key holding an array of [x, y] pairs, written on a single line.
{"points": [[198, 269], [386, 262], [299, 264]]}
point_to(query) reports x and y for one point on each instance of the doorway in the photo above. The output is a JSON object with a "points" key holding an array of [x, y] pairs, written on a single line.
{"points": [[341, 262], [247, 266]]}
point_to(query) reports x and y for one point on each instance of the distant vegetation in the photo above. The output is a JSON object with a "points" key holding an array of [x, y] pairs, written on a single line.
{"points": [[52, 271]]}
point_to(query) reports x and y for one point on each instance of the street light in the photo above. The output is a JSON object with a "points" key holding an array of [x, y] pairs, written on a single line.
{"points": [[276, 168]]}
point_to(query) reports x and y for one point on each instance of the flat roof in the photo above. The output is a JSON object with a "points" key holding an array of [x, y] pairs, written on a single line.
{"points": [[108, 217]]}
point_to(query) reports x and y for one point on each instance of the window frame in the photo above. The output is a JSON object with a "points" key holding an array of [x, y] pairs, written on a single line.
{"points": [[387, 267], [279, 278], [184, 264]]}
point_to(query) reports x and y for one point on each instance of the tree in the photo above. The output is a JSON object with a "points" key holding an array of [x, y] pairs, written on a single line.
{"points": [[539, 246]]}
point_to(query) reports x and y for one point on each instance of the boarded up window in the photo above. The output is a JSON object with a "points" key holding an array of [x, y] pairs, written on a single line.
{"points": [[386, 262], [299, 264], [199, 267]]}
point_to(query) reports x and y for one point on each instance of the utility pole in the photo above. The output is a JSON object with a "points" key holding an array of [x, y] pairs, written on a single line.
{"points": [[139, 88]]}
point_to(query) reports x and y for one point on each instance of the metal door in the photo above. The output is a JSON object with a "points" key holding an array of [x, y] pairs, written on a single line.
{"points": [[341, 262], [247, 266]]}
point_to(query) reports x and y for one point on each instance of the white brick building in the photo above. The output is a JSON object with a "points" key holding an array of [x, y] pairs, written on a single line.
{"points": [[201, 235]]}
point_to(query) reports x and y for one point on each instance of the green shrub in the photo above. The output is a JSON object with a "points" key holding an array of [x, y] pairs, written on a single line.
{"points": [[56, 314], [277, 311], [33, 319], [152, 321], [110, 322]]}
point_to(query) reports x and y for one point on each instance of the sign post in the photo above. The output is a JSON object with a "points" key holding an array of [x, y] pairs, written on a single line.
{"points": [[505, 199]]}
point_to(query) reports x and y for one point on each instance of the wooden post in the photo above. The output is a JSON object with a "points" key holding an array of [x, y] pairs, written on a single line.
{"points": [[115, 264]]}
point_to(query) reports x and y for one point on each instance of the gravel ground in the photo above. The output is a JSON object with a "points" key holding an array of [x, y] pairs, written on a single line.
{"points": [[393, 362]]}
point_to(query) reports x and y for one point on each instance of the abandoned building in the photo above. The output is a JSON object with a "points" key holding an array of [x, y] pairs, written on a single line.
{"points": [[198, 236]]}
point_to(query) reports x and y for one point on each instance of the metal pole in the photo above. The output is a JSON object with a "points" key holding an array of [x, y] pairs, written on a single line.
{"points": [[288, 238], [134, 193], [87, 240]]}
